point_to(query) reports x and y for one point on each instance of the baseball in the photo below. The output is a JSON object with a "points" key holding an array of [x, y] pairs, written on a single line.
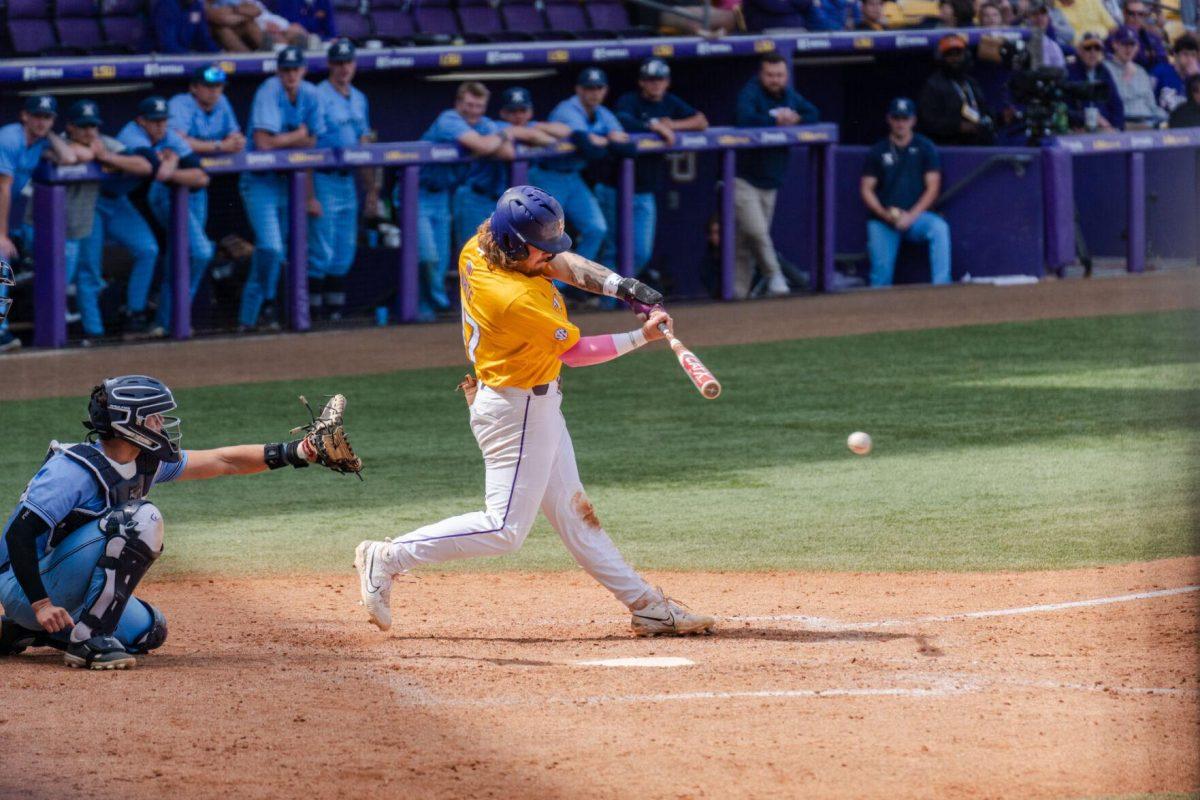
{"points": [[859, 443]]}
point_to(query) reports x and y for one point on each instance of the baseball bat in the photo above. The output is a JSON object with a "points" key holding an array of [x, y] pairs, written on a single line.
{"points": [[706, 383]]}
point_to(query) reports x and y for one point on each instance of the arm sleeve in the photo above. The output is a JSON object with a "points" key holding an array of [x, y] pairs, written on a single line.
{"points": [[176, 142], [749, 113], [21, 538], [585, 147], [315, 119], [231, 122], [6, 164], [933, 158], [569, 116], [264, 114], [610, 121], [680, 108], [544, 330], [807, 111], [592, 350], [449, 127], [626, 110], [871, 167], [177, 119], [168, 471]]}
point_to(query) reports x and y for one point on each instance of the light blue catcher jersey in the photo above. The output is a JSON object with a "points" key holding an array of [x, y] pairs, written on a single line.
{"points": [[273, 112], [66, 489], [345, 119], [189, 119], [17, 158], [134, 137]]}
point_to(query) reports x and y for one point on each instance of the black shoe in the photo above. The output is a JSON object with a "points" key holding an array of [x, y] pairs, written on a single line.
{"points": [[98, 652], [14, 639], [269, 318], [140, 326]]}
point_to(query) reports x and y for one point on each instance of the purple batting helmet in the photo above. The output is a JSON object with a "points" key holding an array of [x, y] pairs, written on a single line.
{"points": [[527, 215]]}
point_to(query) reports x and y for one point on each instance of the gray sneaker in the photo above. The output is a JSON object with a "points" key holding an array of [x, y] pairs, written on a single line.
{"points": [[98, 652], [374, 583], [666, 617]]}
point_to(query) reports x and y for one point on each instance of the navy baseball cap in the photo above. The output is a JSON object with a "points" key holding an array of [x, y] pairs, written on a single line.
{"points": [[84, 113], [41, 104], [341, 51], [290, 58], [902, 107], [210, 75], [515, 97], [1124, 35], [592, 78], [654, 68], [153, 108]]}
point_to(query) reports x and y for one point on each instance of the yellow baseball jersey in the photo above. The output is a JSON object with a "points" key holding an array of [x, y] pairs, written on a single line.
{"points": [[514, 326]]}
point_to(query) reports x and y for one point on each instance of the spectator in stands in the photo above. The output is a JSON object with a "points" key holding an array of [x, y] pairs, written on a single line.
{"points": [[1151, 48], [285, 115], [873, 18], [487, 178], [1169, 79], [179, 27], [1187, 115], [900, 181], [768, 15], [956, 13], [1109, 115], [1087, 16], [1133, 82], [952, 103], [1039, 20], [833, 15], [1060, 27], [651, 109], [989, 16], [22, 145], [766, 100], [234, 24], [333, 229], [468, 126], [82, 256], [315, 16], [595, 132], [1008, 14], [150, 131]]}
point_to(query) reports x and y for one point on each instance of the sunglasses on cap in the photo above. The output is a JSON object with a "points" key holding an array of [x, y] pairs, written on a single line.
{"points": [[213, 75]]}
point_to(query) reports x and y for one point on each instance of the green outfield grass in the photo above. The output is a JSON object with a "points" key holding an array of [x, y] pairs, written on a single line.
{"points": [[1022, 446]]}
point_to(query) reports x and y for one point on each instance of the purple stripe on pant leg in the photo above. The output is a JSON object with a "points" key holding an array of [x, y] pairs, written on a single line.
{"points": [[511, 490]]}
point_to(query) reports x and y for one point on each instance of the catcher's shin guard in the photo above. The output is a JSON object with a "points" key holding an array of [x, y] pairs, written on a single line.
{"points": [[155, 635], [134, 539]]}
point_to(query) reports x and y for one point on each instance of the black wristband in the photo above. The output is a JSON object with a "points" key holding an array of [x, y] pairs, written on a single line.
{"points": [[280, 454]]}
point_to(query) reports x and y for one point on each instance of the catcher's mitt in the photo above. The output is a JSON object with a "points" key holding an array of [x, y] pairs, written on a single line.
{"points": [[469, 386], [328, 439]]}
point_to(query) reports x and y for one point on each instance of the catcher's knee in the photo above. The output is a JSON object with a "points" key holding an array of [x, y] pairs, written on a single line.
{"points": [[155, 635], [136, 521]]}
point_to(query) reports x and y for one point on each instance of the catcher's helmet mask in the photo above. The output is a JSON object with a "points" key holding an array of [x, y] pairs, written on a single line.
{"points": [[123, 407], [528, 216]]}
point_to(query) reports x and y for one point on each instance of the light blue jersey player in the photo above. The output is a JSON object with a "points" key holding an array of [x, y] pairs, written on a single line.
{"points": [[285, 115], [466, 125], [150, 131], [333, 224], [84, 533], [594, 132]]}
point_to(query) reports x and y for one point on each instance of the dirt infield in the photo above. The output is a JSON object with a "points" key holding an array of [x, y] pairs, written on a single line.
{"points": [[823, 685], [205, 362]]}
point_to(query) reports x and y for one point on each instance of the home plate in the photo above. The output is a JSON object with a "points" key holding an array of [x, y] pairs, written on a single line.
{"points": [[644, 661]]}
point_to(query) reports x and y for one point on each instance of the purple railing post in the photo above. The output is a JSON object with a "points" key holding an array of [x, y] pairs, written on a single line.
{"points": [[728, 223], [625, 264], [813, 218], [518, 174], [408, 281], [1058, 208], [50, 274], [297, 288], [180, 266], [828, 203], [1136, 258]]}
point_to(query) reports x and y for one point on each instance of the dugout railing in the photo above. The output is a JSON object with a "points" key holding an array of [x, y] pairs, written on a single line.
{"points": [[50, 182]]}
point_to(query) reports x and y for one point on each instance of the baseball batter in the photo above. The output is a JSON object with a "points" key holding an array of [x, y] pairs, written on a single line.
{"points": [[84, 533], [517, 337]]}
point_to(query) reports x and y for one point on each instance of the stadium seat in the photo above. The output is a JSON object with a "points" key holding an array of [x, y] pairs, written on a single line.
{"points": [[78, 25], [525, 16], [392, 21], [483, 17], [352, 20], [29, 29], [569, 17], [123, 23], [611, 16], [436, 18]]}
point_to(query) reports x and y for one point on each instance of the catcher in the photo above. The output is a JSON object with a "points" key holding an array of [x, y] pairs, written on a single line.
{"points": [[84, 534]]}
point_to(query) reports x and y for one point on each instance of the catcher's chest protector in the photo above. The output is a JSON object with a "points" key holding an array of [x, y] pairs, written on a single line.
{"points": [[114, 488]]}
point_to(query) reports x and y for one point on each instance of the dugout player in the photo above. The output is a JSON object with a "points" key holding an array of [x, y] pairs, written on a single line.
{"points": [[468, 125], [653, 108], [517, 337], [487, 178], [594, 132], [83, 533], [333, 214], [150, 131], [285, 115], [901, 179]]}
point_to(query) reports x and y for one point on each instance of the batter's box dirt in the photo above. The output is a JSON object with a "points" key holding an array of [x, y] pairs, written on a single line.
{"points": [[825, 685]]}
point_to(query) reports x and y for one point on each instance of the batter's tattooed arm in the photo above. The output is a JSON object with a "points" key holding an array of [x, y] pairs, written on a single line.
{"points": [[579, 272]]}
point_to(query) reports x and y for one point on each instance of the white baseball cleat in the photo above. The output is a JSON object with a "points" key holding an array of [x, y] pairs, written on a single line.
{"points": [[374, 583], [665, 617]]}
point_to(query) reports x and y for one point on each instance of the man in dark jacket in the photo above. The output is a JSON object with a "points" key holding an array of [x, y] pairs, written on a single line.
{"points": [[765, 101], [1188, 114], [1089, 66], [179, 27], [952, 107]]}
